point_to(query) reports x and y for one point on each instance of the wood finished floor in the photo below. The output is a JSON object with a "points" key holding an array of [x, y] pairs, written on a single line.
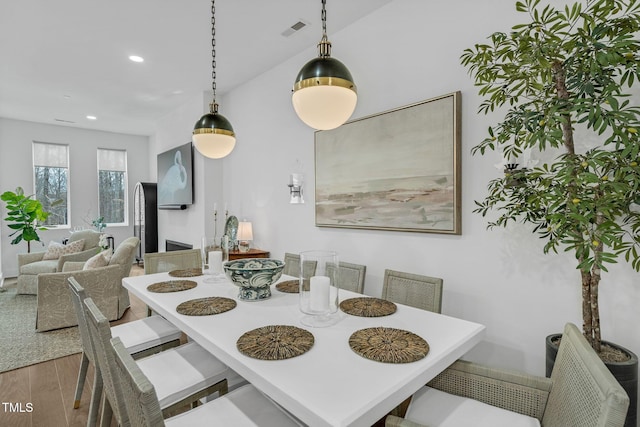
{"points": [[50, 386]]}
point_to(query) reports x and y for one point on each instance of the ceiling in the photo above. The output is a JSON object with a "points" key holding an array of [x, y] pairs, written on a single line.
{"points": [[63, 60]]}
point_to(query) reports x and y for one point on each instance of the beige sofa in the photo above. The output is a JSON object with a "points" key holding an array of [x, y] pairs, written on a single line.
{"points": [[32, 264], [103, 284]]}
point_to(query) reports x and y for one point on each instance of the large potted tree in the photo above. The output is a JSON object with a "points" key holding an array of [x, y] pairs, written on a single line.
{"points": [[24, 216], [565, 82]]}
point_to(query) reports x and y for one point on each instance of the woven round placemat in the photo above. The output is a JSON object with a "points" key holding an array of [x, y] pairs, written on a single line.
{"points": [[289, 286], [206, 306], [172, 286], [188, 272], [275, 342], [368, 307], [388, 345]]}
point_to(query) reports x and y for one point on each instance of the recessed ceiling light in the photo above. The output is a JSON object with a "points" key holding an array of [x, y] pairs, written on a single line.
{"points": [[91, 117], [136, 58]]}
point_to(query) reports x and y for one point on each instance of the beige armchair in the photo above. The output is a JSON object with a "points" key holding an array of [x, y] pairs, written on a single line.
{"points": [[103, 284], [32, 264]]}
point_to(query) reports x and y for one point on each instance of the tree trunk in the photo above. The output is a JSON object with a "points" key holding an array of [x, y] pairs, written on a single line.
{"points": [[559, 78], [587, 321], [595, 310], [590, 279], [595, 282]]}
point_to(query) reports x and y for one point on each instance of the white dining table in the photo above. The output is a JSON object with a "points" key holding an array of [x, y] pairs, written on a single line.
{"points": [[329, 385]]}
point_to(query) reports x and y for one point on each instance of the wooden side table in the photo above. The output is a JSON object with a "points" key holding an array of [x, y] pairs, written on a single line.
{"points": [[251, 253]]}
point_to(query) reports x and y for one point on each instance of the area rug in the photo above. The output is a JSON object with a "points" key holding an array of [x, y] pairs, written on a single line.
{"points": [[20, 344]]}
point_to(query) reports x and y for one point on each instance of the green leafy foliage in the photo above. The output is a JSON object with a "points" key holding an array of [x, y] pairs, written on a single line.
{"points": [[24, 214], [567, 67]]}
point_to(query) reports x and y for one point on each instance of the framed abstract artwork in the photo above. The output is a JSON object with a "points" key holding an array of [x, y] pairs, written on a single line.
{"points": [[396, 170]]}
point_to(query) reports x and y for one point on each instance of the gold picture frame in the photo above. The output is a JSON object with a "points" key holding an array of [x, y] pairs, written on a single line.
{"points": [[396, 170]]}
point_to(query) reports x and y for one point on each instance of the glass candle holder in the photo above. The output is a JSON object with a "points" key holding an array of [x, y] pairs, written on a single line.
{"points": [[319, 288]]}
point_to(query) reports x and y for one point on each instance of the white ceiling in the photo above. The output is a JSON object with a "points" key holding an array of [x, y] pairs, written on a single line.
{"points": [[66, 59]]}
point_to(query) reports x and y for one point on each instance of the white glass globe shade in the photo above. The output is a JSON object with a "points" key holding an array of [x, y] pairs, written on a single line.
{"points": [[324, 107], [213, 145]]}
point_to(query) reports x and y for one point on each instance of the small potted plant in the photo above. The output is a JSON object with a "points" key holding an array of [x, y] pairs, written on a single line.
{"points": [[564, 80], [24, 215], [99, 223]]}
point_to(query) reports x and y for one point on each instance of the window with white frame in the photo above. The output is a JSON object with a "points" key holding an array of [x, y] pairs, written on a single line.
{"points": [[112, 185], [51, 180]]}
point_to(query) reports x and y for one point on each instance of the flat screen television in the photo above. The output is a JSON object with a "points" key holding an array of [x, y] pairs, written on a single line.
{"points": [[175, 178]]}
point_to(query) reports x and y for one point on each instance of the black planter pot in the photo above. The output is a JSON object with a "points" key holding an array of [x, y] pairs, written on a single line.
{"points": [[625, 372]]}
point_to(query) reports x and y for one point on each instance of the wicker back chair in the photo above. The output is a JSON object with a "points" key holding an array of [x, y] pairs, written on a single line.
{"points": [[162, 262], [581, 391], [413, 289], [98, 327], [244, 406], [194, 372], [292, 266], [141, 401], [141, 337], [351, 276], [78, 295]]}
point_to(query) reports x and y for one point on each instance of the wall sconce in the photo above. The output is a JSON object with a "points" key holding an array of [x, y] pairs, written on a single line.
{"points": [[295, 188], [245, 236], [516, 175]]}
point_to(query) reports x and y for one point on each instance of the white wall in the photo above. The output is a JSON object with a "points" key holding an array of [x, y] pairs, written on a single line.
{"points": [[16, 169], [406, 52]]}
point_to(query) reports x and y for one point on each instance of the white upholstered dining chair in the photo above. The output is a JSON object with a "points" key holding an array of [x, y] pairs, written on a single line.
{"points": [[180, 375], [162, 262], [581, 392], [292, 265], [245, 406], [413, 289], [140, 337], [351, 276]]}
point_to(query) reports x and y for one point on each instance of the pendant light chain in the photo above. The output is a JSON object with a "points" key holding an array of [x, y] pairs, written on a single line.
{"points": [[323, 16], [324, 47], [214, 105]]}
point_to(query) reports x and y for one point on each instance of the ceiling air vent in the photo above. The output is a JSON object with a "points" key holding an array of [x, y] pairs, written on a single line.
{"points": [[63, 121], [295, 28]]}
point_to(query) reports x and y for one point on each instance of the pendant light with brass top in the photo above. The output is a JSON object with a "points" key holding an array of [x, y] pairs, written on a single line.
{"points": [[213, 135], [324, 94]]}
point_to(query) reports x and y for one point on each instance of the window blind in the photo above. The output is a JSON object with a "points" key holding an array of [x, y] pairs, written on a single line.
{"points": [[112, 160], [50, 155]]}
